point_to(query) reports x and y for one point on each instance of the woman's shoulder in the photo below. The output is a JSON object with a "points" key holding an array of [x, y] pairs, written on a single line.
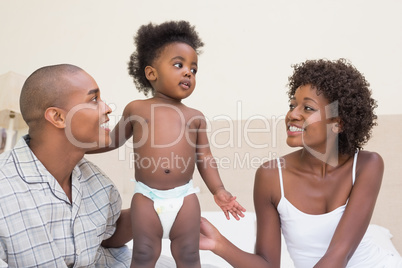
{"points": [[367, 158], [370, 154], [267, 188], [268, 175], [369, 166], [368, 178], [267, 169], [272, 166]]}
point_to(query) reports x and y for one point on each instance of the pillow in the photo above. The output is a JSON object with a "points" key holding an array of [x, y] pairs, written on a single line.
{"points": [[382, 236]]}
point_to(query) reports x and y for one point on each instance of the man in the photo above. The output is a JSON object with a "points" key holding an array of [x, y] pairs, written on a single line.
{"points": [[56, 208]]}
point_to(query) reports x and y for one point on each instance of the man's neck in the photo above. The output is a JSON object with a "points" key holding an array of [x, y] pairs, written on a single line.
{"points": [[59, 158]]}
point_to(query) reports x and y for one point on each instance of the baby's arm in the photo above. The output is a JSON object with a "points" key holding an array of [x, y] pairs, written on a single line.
{"points": [[120, 133], [208, 169]]}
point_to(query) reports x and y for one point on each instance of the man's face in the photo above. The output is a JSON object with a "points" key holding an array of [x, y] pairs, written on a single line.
{"points": [[87, 114]]}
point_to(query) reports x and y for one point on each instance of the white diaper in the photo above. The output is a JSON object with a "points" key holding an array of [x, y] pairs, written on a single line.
{"points": [[167, 203]]}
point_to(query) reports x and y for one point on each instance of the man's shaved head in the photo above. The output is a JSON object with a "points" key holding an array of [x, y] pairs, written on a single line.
{"points": [[45, 88]]}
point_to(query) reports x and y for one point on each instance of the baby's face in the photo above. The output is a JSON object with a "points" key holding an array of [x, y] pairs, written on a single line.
{"points": [[175, 71]]}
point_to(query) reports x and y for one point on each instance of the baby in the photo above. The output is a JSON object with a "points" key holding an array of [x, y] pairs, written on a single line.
{"points": [[169, 141]]}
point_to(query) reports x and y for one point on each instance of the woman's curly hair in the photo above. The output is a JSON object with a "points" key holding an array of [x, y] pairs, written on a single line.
{"points": [[340, 82], [150, 41]]}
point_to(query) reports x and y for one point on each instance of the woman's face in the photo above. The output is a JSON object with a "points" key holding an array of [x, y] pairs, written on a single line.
{"points": [[309, 121]]}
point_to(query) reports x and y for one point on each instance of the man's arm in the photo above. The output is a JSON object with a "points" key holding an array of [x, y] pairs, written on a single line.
{"points": [[123, 233], [3, 257]]}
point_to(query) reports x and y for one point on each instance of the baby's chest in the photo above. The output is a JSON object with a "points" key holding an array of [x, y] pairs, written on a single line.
{"points": [[166, 129]]}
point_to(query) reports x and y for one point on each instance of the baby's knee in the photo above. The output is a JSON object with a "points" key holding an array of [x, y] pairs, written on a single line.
{"points": [[145, 254], [186, 252]]}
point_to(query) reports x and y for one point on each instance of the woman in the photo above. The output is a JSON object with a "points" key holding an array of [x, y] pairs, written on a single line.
{"points": [[321, 196]]}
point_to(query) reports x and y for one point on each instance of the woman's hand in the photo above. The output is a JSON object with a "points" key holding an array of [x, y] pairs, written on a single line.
{"points": [[209, 235]]}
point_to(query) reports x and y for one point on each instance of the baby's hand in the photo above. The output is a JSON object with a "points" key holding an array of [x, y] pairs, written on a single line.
{"points": [[228, 203]]}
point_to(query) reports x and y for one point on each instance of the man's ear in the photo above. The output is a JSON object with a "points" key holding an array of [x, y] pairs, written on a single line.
{"points": [[150, 73], [56, 117]]}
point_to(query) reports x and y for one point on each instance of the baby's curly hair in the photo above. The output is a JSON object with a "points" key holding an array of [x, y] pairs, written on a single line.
{"points": [[150, 40], [340, 81]]}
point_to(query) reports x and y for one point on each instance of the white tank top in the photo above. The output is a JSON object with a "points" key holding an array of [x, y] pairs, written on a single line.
{"points": [[308, 236]]}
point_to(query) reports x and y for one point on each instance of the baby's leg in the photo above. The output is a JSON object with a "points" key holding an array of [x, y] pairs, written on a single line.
{"points": [[147, 232], [185, 234]]}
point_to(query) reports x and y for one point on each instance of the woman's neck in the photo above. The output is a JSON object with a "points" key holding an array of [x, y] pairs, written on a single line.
{"points": [[322, 163]]}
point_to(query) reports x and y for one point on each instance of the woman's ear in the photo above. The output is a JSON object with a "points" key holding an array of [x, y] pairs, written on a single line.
{"points": [[337, 126], [150, 73], [56, 117]]}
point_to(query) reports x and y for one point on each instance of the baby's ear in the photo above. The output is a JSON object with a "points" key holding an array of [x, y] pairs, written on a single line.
{"points": [[55, 116], [150, 73]]}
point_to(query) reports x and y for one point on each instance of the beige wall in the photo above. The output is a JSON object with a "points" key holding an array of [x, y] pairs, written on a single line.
{"points": [[250, 45]]}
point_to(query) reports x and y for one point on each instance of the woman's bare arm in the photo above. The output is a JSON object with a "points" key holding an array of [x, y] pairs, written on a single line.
{"points": [[268, 244], [358, 212]]}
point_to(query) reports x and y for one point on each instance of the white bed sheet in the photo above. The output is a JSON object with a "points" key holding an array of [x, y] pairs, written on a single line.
{"points": [[242, 233]]}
